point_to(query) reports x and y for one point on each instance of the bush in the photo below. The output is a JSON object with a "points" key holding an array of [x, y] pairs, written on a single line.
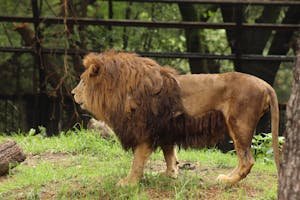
{"points": [[262, 146]]}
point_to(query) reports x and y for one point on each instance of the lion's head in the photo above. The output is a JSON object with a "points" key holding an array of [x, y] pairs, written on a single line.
{"points": [[100, 78], [87, 80], [79, 94]]}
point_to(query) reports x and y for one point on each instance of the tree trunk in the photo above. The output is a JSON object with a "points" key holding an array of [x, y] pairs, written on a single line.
{"points": [[125, 33], [280, 43], [10, 155], [193, 41], [252, 42], [289, 178], [189, 13], [267, 70]]}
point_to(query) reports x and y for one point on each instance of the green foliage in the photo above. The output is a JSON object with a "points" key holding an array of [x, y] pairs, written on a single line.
{"points": [[283, 82], [262, 146]]}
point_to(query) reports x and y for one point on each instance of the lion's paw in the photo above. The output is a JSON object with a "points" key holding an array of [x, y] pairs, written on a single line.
{"points": [[126, 182], [171, 174], [222, 178]]}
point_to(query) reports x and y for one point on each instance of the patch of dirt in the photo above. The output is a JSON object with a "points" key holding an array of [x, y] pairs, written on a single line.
{"points": [[251, 192], [212, 192], [160, 166], [3, 178], [155, 166], [49, 191], [207, 175], [193, 167], [48, 194], [154, 194], [34, 160]]}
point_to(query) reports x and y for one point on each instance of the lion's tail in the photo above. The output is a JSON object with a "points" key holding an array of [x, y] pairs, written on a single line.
{"points": [[275, 125]]}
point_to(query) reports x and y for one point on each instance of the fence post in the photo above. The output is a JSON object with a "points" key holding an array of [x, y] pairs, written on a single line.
{"points": [[41, 112], [239, 32]]}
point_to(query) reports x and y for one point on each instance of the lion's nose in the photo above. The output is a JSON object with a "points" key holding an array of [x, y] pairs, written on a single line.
{"points": [[73, 91]]}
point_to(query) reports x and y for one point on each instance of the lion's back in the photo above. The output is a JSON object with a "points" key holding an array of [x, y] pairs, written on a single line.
{"points": [[203, 92]]}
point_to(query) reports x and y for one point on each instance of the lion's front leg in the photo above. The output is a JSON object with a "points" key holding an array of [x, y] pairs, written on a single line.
{"points": [[141, 154], [171, 160]]}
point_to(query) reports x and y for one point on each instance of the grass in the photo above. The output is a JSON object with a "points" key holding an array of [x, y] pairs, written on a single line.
{"points": [[81, 165]]}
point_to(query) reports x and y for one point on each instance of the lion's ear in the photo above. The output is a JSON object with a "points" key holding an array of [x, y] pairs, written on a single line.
{"points": [[93, 70], [153, 82]]}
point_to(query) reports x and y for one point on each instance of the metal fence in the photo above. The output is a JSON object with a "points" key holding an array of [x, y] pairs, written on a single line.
{"points": [[11, 115]]}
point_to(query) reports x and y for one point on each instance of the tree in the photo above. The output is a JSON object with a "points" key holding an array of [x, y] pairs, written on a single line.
{"points": [[289, 178]]}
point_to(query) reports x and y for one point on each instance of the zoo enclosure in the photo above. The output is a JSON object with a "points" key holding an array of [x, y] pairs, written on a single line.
{"points": [[43, 104]]}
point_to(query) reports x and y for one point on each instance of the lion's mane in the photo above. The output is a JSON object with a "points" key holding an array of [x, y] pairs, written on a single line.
{"points": [[141, 101]]}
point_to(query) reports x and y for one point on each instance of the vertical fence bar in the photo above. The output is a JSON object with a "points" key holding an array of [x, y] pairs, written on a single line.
{"points": [[39, 114], [239, 31], [110, 16], [5, 117], [18, 100], [12, 115]]}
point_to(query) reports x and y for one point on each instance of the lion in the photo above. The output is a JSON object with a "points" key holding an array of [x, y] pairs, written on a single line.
{"points": [[149, 106]]}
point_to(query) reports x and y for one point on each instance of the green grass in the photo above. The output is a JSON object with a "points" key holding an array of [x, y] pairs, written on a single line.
{"points": [[81, 165]]}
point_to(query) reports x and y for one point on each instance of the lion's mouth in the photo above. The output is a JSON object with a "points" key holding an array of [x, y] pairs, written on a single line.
{"points": [[81, 105]]}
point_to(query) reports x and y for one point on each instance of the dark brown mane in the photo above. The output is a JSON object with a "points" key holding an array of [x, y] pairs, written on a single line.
{"points": [[141, 101]]}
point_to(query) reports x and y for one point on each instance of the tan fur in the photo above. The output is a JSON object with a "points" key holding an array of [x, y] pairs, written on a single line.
{"points": [[169, 152], [141, 154], [243, 99], [148, 106]]}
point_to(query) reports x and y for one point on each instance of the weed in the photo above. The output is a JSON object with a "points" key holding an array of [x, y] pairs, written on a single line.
{"points": [[262, 146]]}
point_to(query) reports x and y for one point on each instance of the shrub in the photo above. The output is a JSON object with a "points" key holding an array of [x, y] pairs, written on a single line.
{"points": [[262, 146]]}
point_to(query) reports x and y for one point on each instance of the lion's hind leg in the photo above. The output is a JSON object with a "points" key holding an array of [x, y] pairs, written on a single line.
{"points": [[169, 152], [245, 164], [242, 137]]}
